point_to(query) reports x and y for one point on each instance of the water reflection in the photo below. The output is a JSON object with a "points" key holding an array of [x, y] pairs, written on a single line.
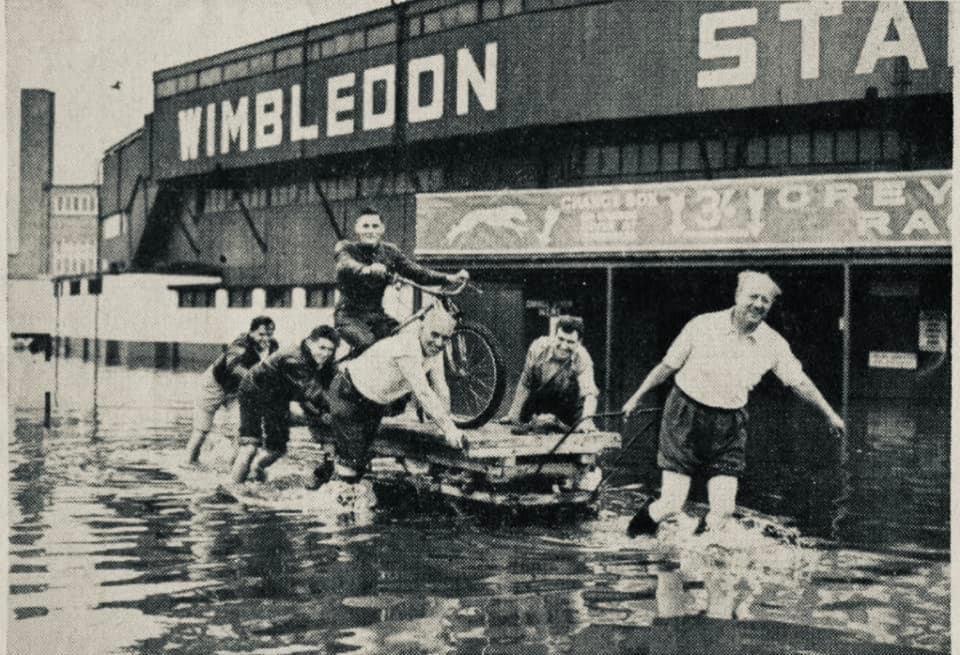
{"points": [[113, 549]]}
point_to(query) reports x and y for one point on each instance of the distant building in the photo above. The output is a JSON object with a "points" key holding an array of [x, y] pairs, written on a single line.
{"points": [[73, 229], [36, 177]]}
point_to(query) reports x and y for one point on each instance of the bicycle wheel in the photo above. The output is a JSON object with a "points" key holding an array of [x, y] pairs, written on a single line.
{"points": [[475, 375]]}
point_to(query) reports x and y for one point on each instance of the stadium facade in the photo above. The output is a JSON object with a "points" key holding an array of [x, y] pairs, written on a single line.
{"points": [[619, 160]]}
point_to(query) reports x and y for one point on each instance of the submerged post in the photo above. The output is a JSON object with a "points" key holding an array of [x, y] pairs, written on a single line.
{"points": [[46, 409]]}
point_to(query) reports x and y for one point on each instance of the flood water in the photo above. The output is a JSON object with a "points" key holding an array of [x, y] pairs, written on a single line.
{"points": [[114, 549]]}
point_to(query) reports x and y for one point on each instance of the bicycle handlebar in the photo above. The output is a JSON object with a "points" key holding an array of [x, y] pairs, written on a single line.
{"points": [[444, 292]]}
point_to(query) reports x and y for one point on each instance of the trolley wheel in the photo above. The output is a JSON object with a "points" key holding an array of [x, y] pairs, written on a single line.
{"points": [[475, 375]]}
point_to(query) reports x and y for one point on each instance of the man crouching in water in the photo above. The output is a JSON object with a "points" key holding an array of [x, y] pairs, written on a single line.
{"points": [[302, 374], [363, 389]]}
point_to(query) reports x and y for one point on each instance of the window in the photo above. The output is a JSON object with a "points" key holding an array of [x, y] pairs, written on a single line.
{"points": [[610, 160], [778, 150], [240, 297], [94, 285], [187, 82], [432, 22], [313, 51], [690, 156], [261, 63], [283, 195], [196, 297], [869, 145], [211, 76], [74, 286], [846, 145], [490, 9], [511, 7], [381, 34], [60, 203], [756, 151], [320, 296], [236, 69], [278, 296], [823, 147], [800, 148], [289, 57], [341, 43], [669, 156], [891, 145], [165, 88], [415, 26]]}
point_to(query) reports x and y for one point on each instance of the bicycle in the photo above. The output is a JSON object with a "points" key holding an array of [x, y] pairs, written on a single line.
{"points": [[473, 362]]}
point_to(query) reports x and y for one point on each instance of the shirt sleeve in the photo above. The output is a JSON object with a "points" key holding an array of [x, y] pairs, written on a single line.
{"points": [[414, 271], [787, 367], [681, 347], [585, 375], [533, 356], [349, 270]]}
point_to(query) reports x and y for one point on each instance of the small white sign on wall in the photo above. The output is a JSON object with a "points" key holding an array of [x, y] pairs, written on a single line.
{"points": [[905, 361], [933, 332]]}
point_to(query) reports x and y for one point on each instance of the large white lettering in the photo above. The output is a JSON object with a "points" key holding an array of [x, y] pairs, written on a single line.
{"points": [[340, 104], [417, 70], [234, 125], [937, 194], [484, 84], [268, 118], [188, 124], [211, 129], [873, 221], [889, 193], [876, 47], [743, 49], [299, 131], [387, 76], [809, 15], [920, 220]]}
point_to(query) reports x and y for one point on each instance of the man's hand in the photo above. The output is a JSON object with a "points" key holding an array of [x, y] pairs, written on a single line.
{"points": [[837, 426], [455, 439], [458, 277], [376, 270], [508, 419], [629, 407], [586, 426]]}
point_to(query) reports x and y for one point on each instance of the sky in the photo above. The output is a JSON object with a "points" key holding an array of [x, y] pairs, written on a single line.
{"points": [[79, 48]]}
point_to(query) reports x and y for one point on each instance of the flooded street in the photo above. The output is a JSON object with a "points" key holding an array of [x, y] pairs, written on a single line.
{"points": [[115, 549]]}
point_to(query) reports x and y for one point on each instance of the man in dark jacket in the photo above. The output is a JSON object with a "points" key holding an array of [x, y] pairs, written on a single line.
{"points": [[365, 268], [298, 374], [220, 382]]}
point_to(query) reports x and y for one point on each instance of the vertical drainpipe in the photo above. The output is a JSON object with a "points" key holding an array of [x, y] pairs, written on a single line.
{"points": [[845, 392], [608, 342]]}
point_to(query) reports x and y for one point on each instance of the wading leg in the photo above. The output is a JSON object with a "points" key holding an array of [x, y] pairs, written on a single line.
{"points": [[722, 493], [195, 444], [241, 463], [264, 459], [674, 488]]}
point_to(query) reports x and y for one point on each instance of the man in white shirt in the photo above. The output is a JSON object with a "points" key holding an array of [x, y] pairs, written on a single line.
{"points": [[717, 358], [410, 361]]}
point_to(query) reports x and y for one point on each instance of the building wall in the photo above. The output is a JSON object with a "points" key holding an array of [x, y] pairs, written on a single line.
{"points": [[36, 175], [73, 230]]}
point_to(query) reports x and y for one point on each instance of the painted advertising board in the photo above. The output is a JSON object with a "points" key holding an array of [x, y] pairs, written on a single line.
{"points": [[795, 212]]}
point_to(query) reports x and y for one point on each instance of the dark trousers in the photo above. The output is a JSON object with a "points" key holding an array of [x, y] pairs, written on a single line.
{"points": [[264, 421], [361, 329], [696, 438], [354, 421]]}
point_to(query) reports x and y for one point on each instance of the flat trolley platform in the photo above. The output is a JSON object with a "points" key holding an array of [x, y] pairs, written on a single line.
{"points": [[495, 467]]}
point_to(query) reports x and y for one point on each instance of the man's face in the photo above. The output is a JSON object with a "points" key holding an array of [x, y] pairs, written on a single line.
{"points": [[435, 333], [321, 350], [753, 301], [369, 229], [262, 336], [565, 343]]}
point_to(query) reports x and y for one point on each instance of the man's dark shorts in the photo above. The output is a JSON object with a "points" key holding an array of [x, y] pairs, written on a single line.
{"points": [[361, 329], [563, 401], [354, 421], [695, 438], [264, 421]]}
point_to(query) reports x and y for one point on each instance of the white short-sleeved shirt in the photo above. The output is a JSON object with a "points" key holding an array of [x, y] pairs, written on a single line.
{"points": [[376, 372], [718, 366]]}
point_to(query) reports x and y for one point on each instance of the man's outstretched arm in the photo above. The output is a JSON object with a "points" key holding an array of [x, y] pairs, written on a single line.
{"points": [[660, 374]]}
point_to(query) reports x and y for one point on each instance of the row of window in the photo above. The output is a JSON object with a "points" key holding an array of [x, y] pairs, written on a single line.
{"points": [[340, 188], [456, 15], [860, 146], [75, 287], [316, 297], [464, 13], [74, 265], [78, 203]]}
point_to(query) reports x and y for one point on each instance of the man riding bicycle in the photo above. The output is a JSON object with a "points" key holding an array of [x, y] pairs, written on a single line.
{"points": [[365, 267]]}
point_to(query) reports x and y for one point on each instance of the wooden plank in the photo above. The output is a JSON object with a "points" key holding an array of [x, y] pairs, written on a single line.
{"points": [[494, 441]]}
